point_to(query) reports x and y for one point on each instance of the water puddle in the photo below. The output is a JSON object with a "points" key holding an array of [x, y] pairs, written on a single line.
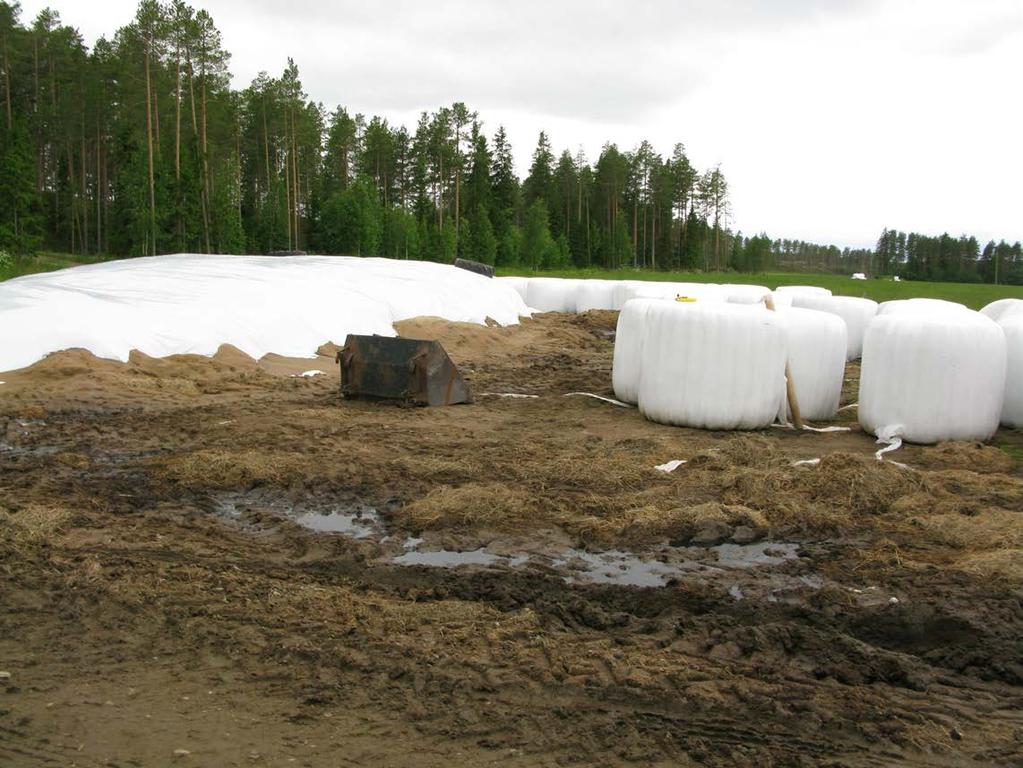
{"points": [[444, 558], [361, 524], [754, 555], [618, 567], [355, 521], [734, 564]]}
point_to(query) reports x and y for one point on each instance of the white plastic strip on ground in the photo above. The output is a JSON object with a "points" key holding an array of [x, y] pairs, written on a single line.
{"points": [[611, 400], [670, 466], [189, 303]]}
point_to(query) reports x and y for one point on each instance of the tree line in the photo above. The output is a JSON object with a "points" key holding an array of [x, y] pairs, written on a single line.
{"points": [[946, 258], [140, 146]]}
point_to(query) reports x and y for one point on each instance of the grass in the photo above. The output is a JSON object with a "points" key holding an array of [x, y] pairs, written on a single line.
{"points": [[974, 295], [45, 261]]}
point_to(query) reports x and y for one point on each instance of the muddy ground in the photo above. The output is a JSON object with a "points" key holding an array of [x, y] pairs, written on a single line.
{"points": [[167, 599]]}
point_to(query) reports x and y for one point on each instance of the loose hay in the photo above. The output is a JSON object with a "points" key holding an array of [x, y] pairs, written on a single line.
{"points": [[1006, 563], [477, 505], [33, 523], [975, 457], [709, 522], [223, 470]]}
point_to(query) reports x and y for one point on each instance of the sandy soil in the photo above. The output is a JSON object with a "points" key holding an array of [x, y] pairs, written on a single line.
{"points": [[165, 598]]}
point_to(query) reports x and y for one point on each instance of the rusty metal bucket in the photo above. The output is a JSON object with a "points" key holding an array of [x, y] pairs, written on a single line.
{"points": [[417, 372]]}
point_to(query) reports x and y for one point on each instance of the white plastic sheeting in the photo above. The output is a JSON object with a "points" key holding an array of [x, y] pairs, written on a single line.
{"points": [[713, 366], [621, 292], [669, 290], [594, 294], [1012, 409], [520, 284], [855, 311], [931, 377], [811, 290], [920, 306], [628, 351], [186, 303], [551, 294], [816, 354], [735, 293], [781, 300], [1003, 308]]}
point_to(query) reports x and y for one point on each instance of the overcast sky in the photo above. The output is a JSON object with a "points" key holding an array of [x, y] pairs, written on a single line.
{"points": [[831, 119]]}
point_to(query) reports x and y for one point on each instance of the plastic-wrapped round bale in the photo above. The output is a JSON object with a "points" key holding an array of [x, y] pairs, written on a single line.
{"points": [[919, 306], [1012, 408], [520, 284], [699, 291], [1003, 308], [806, 290], [781, 300], [621, 292], [628, 351], [856, 313], [594, 294], [817, 347], [737, 293], [932, 377], [551, 294], [666, 290], [713, 366]]}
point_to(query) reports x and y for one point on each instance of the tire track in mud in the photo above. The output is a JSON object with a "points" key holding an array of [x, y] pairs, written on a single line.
{"points": [[613, 692]]}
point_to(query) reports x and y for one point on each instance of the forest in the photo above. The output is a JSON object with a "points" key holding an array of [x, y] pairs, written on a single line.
{"points": [[140, 146]]}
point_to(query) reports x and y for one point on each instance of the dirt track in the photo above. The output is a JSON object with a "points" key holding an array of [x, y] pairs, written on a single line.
{"points": [[159, 592]]}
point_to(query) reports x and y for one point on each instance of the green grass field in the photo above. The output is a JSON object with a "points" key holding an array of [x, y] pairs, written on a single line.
{"points": [[44, 262], [973, 295]]}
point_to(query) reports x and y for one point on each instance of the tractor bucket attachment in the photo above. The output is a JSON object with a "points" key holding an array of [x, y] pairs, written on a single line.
{"points": [[414, 371], [474, 266]]}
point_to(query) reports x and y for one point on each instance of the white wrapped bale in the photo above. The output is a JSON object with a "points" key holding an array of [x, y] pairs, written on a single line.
{"points": [[1012, 408], [712, 366], [621, 292], [520, 284], [671, 291], [781, 301], [932, 377], [817, 348], [1003, 308], [551, 294], [920, 306], [806, 290], [699, 291], [737, 293], [856, 313], [594, 294], [628, 351]]}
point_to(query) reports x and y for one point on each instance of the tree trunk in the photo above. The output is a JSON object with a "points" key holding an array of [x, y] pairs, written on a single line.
{"points": [[84, 206], [99, 189], [653, 240], [72, 215], [287, 185], [205, 162], [149, 142], [7, 86], [177, 115]]}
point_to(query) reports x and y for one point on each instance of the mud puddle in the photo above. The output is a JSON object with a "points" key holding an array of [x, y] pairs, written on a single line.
{"points": [[543, 552]]}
